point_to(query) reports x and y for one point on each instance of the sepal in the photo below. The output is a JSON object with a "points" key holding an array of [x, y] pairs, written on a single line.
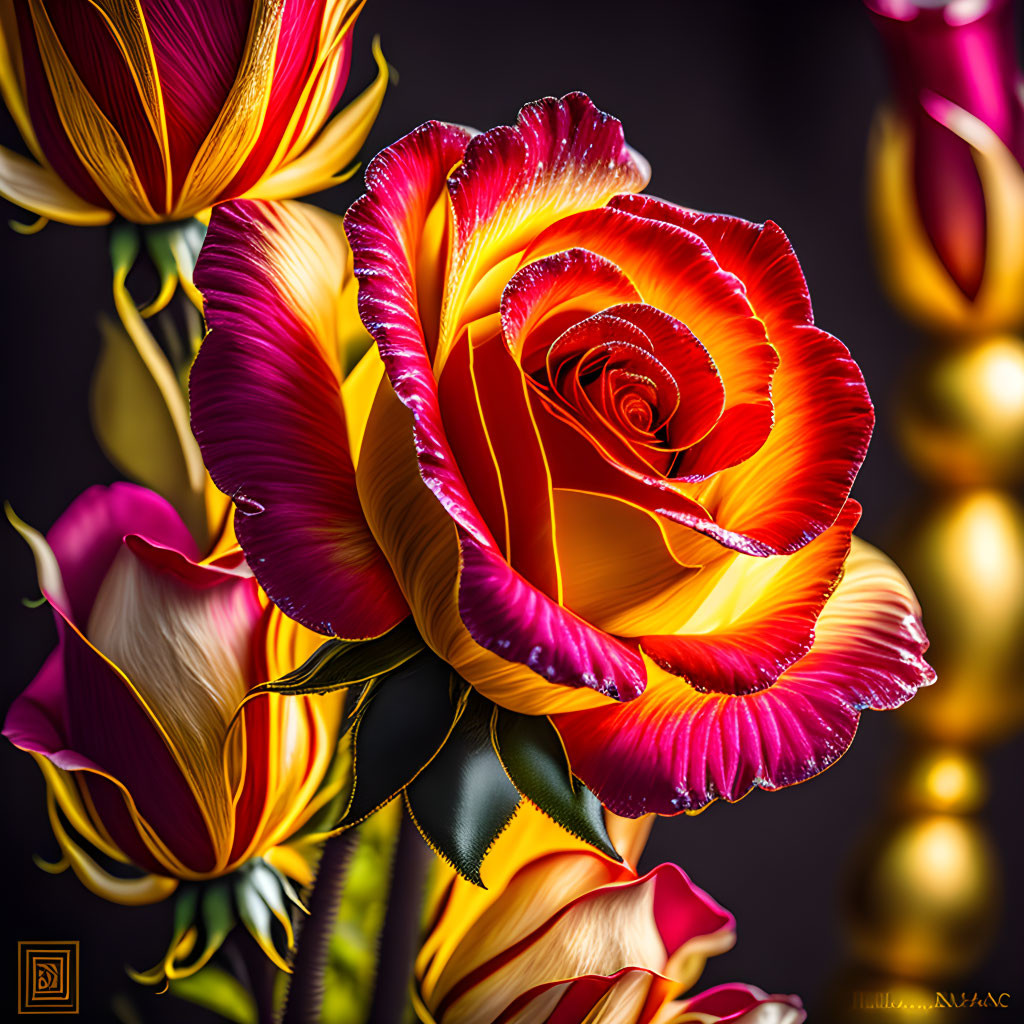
{"points": [[533, 756], [461, 763], [401, 723], [257, 895], [463, 800], [338, 664]]}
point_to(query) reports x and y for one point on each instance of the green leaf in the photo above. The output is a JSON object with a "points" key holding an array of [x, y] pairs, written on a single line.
{"points": [[463, 800], [215, 989], [533, 755], [401, 726], [341, 663]]}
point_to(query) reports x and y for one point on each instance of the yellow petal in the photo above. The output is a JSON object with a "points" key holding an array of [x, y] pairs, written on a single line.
{"points": [[162, 375], [290, 862], [47, 570], [38, 189], [426, 564], [70, 800], [95, 140], [334, 149], [613, 927], [531, 836], [136, 429], [129, 891], [912, 270]]}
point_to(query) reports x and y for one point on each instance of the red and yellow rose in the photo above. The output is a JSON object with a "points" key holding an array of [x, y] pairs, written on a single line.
{"points": [[600, 452]]}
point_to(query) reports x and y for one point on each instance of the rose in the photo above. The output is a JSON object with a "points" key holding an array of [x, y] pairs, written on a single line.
{"points": [[516, 950], [948, 189], [154, 111], [135, 718], [605, 453]]}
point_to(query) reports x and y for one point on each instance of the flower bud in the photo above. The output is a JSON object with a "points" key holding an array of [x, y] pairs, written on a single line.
{"points": [[946, 179]]}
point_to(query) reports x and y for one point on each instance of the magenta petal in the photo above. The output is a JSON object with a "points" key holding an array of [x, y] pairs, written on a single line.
{"points": [[675, 749], [88, 535], [98, 726], [385, 228], [268, 415], [732, 1002], [198, 47], [109, 728], [511, 618], [35, 721]]}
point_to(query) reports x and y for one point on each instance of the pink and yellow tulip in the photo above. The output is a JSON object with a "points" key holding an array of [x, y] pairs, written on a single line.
{"points": [[139, 719], [563, 935]]}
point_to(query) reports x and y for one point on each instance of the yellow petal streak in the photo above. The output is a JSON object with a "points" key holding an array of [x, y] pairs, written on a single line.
{"points": [[426, 564], [238, 125], [317, 166], [187, 653], [95, 140]]}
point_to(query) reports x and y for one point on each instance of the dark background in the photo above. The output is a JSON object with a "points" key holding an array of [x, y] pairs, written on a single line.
{"points": [[753, 108]]}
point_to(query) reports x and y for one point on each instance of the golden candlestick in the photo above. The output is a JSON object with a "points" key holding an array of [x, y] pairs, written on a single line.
{"points": [[925, 891]]}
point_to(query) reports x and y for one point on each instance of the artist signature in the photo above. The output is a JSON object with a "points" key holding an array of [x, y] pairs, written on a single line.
{"points": [[941, 1001]]}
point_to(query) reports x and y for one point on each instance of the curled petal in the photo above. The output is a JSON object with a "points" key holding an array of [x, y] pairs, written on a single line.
{"points": [[561, 156], [742, 1004], [87, 538], [38, 189], [676, 749], [510, 617], [794, 486], [735, 645], [674, 270], [273, 347]]}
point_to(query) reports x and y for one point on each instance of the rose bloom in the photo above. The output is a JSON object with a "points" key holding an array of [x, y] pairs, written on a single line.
{"points": [[948, 188], [134, 718], [562, 934], [601, 453], [156, 110]]}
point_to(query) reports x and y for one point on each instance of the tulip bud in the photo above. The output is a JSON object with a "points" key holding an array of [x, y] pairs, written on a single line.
{"points": [[151, 744], [563, 933], [947, 185], [156, 111]]}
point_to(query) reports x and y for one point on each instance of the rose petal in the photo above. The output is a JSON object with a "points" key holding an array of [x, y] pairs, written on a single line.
{"points": [[508, 616], [744, 645], [561, 156], [268, 415], [674, 270], [675, 749], [793, 487]]}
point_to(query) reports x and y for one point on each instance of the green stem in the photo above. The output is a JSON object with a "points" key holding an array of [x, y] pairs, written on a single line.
{"points": [[400, 934], [306, 991]]}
